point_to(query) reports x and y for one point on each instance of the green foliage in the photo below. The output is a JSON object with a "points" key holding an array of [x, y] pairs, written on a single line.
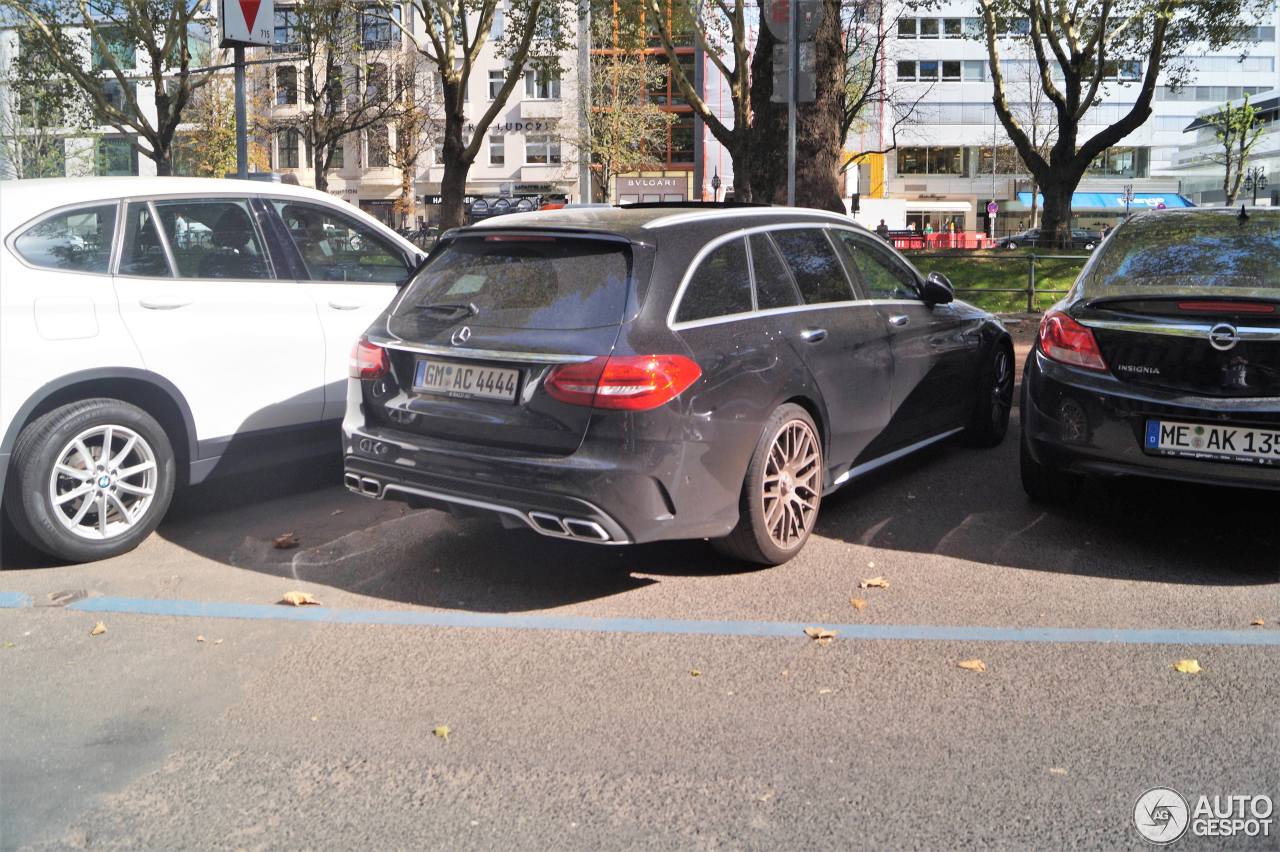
{"points": [[625, 127], [1237, 129], [45, 106]]}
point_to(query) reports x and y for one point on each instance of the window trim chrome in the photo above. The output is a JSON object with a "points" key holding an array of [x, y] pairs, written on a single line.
{"points": [[821, 216], [117, 236], [744, 233]]}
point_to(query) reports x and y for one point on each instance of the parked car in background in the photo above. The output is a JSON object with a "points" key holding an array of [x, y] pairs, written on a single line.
{"points": [[1080, 239], [1164, 360], [156, 331], [628, 375]]}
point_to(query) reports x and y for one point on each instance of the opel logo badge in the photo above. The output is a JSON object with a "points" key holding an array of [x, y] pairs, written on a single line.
{"points": [[462, 335], [1223, 336]]}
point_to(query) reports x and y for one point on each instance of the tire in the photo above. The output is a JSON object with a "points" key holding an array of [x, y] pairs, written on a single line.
{"points": [[989, 422], [792, 433], [1011, 245], [1043, 483], [1088, 246], [115, 513]]}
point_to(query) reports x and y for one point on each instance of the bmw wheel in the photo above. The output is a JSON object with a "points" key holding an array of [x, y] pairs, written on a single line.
{"points": [[91, 480], [782, 491]]}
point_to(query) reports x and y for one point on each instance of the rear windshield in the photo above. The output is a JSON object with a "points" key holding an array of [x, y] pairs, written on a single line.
{"points": [[1184, 253], [538, 282]]}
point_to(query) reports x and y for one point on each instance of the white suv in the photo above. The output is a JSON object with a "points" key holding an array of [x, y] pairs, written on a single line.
{"points": [[154, 331]]}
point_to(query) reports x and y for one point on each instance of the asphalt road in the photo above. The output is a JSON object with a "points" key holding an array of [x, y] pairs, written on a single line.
{"points": [[291, 734]]}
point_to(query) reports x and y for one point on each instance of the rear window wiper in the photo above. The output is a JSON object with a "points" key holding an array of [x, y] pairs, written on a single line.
{"points": [[456, 310]]}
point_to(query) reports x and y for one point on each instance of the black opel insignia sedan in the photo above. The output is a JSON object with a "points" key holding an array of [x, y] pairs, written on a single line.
{"points": [[626, 375], [1164, 359]]}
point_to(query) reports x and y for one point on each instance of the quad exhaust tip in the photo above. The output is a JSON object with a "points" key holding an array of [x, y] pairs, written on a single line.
{"points": [[543, 522]]}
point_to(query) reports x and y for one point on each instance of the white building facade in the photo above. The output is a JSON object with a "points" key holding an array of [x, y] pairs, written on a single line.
{"points": [[1202, 178], [953, 157]]}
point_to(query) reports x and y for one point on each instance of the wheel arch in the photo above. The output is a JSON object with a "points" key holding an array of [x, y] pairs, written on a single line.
{"points": [[149, 391], [815, 410]]}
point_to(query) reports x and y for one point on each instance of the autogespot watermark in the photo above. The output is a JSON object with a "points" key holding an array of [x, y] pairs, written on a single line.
{"points": [[1163, 816]]}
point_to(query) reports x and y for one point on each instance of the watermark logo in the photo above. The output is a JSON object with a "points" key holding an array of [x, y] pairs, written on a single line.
{"points": [[1161, 816]]}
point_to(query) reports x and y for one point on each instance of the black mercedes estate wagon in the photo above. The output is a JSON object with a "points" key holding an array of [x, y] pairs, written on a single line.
{"points": [[1163, 360], [627, 375]]}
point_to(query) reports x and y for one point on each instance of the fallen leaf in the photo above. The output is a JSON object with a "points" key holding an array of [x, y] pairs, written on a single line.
{"points": [[442, 732], [695, 673], [1187, 666], [199, 638], [1057, 770], [1257, 622], [821, 635], [98, 629], [9, 645], [858, 603], [874, 583], [974, 665], [335, 512], [299, 599], [217, 641], [824, 692], [285, 542]]}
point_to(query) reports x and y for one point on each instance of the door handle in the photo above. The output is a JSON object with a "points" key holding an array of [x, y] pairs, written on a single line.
{"points": [[338, 306], [813, 335], [899, 320], [162, 306]]}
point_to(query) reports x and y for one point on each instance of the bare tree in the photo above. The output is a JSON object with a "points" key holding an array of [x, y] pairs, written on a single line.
{"points": [[1237, 129], [624, 127], [341, 78], [1083, 46], [171, 36], [415, 126], [206, 144], [450, 34]]}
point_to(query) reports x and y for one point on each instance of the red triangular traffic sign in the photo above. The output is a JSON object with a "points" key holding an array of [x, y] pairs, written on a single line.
{"points": [[249, 8]]}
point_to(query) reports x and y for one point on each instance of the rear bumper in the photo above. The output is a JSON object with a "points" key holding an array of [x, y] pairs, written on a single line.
{"points": [[598, 494], [1115, 414]]}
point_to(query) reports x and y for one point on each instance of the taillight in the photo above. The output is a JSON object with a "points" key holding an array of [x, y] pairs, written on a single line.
{"points": [[623, 382], [1063, 339], [368, 361]]}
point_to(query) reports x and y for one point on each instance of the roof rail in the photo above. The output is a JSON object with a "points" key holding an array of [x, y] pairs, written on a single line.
{"points": [[735, 212]]}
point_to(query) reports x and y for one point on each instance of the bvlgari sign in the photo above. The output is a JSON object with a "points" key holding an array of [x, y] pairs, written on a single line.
{"points": [[650, 185]]}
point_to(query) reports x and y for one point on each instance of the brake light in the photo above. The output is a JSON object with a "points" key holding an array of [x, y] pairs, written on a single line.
{"points": [[1065, 340], [1227, 307], [623, 382], [368, 361]]}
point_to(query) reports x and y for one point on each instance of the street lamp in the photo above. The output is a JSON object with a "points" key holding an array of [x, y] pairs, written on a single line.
{"points": [[715, 185], [1255, 180], [1128, 198]]}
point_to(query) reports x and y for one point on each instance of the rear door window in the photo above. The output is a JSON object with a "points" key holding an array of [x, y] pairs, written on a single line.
{"points": [[78, 240], [338, 248], [814, 264], [213, 239], [144, 254], [535, 281], [774, 287], [720, 286]]}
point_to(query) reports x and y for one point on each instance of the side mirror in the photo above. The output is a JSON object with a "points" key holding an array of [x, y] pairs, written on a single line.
{"points": [[937, 290]]}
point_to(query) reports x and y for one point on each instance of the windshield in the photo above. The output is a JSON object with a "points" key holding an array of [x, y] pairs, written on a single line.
{"points": [[1186, 253], [534, 281]]}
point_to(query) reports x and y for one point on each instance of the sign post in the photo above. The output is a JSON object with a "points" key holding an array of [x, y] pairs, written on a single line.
{"points": [[244, 23], [992, 210]]}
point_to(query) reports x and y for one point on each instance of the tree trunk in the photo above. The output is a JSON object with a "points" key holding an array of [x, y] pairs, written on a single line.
{"points": [[1035, 202], [453, 185], [818, 141], [163, 158], [1055, 221], [320, 166]]}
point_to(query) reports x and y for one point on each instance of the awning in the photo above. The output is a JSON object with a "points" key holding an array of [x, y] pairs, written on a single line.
{"points": [[1115, 200], [938, 206]]}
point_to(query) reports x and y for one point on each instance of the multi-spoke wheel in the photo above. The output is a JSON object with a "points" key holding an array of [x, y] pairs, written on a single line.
{"points": [[782, 491], [994, 399], [90, 479]]}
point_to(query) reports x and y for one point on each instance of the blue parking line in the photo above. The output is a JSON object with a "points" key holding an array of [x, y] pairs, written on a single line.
{"points": [[673, 627], [14, 600]]}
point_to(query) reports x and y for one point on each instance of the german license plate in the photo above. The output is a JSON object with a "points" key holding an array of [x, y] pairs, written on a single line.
{"points": [[466, 381], [1202, 441]]}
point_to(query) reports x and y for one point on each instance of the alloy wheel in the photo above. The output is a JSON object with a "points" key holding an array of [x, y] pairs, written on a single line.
{"points": [[1001, 386], [792, 484], [103, 482]]}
